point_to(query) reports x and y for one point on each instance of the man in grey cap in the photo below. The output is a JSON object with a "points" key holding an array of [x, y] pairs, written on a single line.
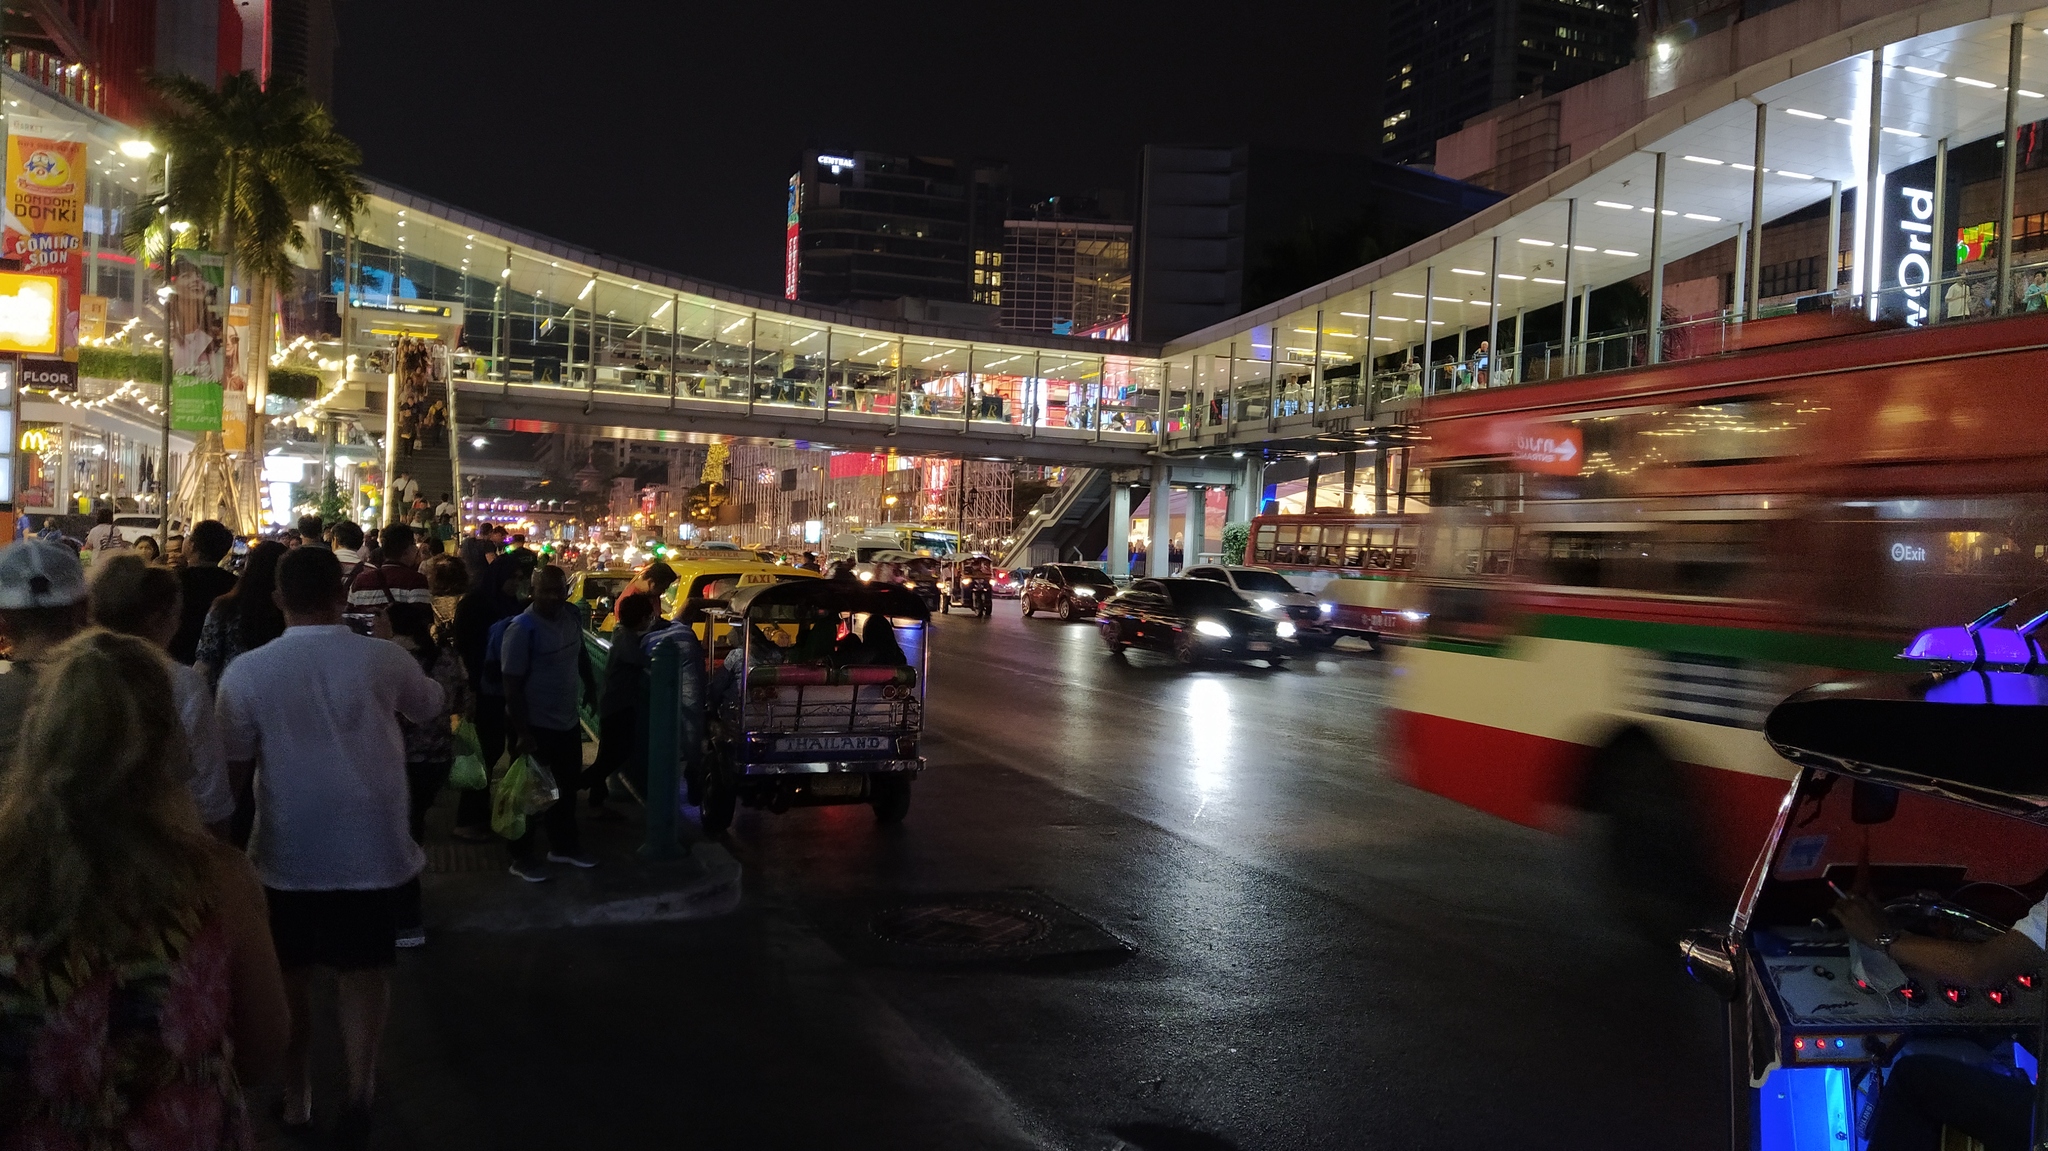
{"points": [[42, 604]]}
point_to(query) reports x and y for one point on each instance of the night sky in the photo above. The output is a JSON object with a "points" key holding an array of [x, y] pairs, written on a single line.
{"points": [[665, 131]]}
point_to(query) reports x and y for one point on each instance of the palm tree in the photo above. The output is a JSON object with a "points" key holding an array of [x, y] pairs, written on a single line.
{"points": [[249, 162]]}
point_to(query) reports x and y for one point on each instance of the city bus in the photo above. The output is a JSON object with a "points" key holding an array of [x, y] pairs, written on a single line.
{"points": [[910, 539], [1623, 573], [1359, 564]]}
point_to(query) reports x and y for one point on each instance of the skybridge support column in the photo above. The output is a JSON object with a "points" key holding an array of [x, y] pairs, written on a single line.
{"points": [[1254, 486], [1119, 551], [1571, 241], [1492, 331], [1868, 236], [1937, 304], [1735, 306], [1834, 249], [1756, 221], [1428, 326], [1585, 325], [1197, 530], [1159, 547], [2009, 172], [1656, 268], [1379, 479], [1350, 479]]}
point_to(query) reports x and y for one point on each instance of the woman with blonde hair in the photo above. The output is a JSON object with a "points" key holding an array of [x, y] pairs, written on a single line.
{"points": [[138, 985]]}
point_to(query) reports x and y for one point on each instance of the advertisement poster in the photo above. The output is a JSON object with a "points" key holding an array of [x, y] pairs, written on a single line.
{"points": [[92, 318], [235, 377], [198, 342], [44, 224]]}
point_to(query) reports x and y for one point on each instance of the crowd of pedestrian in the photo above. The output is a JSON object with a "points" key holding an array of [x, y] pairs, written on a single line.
{"points": [[215, 775]]}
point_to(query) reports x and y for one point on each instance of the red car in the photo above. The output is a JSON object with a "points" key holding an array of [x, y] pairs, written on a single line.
{"points": [[1073, 591]]}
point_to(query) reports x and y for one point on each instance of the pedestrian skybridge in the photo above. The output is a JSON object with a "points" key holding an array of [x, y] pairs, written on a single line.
{"points": [[1912, 103]]}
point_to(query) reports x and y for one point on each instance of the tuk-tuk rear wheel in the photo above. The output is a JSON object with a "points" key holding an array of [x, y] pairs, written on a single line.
{"points": [[889, 795]]}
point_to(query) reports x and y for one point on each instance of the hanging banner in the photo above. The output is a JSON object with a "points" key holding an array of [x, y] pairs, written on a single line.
{"points": [[198, 342], [44, 224], [235, 378], [92, 318]]}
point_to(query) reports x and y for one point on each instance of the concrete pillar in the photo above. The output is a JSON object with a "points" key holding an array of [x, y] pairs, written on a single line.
{"points": [[1161, 544], [1379, 476], [1119, 551], [1309, 492], [1254, 484], [2008, 168], [1197, 530], [1350, 478]]}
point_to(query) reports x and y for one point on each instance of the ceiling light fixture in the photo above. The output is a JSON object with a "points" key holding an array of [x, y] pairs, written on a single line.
{"points": [[1930, 73], [1620, 252], [1705, 219], [1547, 280], [1804, 114], [1534, 243], [1612, 204], [588, 287], [1975, 83], [1705, 160], [1468, 271]]}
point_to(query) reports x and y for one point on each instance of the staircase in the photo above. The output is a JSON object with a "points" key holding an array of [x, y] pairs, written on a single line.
{"points": [[430, 467], [1064, 521]]}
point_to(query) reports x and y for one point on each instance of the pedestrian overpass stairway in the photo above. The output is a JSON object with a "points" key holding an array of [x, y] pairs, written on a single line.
{"points": [[1062, 520]]}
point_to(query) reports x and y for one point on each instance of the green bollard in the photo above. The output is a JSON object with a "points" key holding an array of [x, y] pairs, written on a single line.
{"points": [[675, 733]]}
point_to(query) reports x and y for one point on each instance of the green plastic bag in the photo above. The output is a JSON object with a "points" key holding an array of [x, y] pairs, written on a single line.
{"points": [[467, 743], [509, 797], [467, 773]]}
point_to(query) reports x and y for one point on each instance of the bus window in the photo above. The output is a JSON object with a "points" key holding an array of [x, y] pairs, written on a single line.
{"points": [[1285, 551], [1406, 540], [1262, 549], [1705, 559]]}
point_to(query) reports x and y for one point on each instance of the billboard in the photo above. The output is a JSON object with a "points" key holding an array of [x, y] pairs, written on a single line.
{"points": [[198, 342], [796, 191], [31, 315], [44, 224]]}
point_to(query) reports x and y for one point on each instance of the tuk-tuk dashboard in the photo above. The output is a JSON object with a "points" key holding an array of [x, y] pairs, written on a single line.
{"points": [[1940, 870]]}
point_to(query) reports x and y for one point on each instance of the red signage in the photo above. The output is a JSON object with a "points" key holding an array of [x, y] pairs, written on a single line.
{"points": [[1552, 449]]}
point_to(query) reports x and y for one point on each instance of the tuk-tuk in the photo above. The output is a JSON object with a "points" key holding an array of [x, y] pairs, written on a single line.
{"points": [[969, 584], [917, 574], [1926, 795], [816, 697]]}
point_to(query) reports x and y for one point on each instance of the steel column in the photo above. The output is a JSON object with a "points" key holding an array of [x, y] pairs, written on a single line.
{"points": [[1756, 220], [2009, 172], [1867, 213], [1492, 312], [1656, 267], [1158, 549], [1942, 253], [1119, 550], [1571, 241], [1834, 251], [1428, 329]]}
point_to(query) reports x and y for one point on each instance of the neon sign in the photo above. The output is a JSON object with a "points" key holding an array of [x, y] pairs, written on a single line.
{"points": [[1914, 271], [796, 186], [836, 162]]}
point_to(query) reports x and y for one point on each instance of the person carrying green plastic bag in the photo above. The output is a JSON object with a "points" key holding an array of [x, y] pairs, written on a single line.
{"points": [[468, 773]]}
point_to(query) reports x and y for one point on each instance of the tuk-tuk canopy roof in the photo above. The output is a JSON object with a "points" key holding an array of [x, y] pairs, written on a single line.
{"points": [[829, 595], [1974, 737]]}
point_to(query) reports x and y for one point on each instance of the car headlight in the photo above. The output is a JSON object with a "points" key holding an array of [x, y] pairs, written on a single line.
{"points": [[1265, 604], [1211, 628], [1328, 608], [866, 576], [1086, 591], [1284, 630]]}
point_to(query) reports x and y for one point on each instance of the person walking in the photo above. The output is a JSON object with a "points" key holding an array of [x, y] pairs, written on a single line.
{"points": [[42, 604], [477, 553], [244, 619], [407, 490], [139, 984], [104, 536], [136, 598], [480, 617], [622, 709], [543, 665], [312, 718], [429, 746], [373, 590], [201, 581]]}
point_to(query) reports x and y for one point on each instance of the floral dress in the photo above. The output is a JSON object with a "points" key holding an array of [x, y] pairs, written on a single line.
{"points": [[132, 1053]]}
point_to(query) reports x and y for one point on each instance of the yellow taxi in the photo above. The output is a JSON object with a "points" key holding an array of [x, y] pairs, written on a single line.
{"points": [[701, 573]]}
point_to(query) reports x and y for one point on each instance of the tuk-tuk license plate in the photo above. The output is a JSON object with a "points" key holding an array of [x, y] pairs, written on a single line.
{"points": [[832, 744]]}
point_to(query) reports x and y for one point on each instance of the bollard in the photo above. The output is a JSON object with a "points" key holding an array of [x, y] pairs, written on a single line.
{"points": [[675, 732]]}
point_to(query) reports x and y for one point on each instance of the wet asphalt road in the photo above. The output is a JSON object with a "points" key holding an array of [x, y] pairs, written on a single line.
{"points": [[1262, 941]]}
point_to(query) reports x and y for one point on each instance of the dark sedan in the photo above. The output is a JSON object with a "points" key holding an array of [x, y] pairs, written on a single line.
{"points": [[1070, 591], [1192, 620]]}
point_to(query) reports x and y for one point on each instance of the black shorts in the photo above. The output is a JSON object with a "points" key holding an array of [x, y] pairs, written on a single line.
{"points": [[345, 930]]}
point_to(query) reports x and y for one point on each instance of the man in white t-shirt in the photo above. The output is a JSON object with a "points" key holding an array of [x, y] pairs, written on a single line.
{"points": [[1925, 1093], [311, 715]]}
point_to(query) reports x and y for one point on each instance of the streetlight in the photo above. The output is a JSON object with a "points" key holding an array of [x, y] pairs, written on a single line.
{"points": [[141, 149]]}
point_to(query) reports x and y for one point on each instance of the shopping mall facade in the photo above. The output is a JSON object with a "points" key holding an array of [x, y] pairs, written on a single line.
{"points": [[1704, 181]]}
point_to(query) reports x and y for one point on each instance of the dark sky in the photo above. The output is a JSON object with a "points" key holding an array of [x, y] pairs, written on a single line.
{"points": [[666, 130]]}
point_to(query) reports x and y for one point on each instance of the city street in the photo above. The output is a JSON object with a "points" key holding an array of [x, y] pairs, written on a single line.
{"points": [[1254, 938]]}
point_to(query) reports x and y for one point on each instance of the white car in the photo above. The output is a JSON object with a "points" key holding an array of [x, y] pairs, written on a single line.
{"points": [[1275, 598], [134, 527]]}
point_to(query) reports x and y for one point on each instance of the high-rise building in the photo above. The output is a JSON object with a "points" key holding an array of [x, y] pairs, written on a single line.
{"points": [[1450, 60], [1064, 271], [870, 227], [1190, 239]]}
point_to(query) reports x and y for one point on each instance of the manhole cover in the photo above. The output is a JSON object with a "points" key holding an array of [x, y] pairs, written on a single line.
{"points": [[959, 928]]}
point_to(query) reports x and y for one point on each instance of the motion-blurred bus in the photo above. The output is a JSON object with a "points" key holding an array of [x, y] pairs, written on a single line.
{"points": [[1623, 573]]}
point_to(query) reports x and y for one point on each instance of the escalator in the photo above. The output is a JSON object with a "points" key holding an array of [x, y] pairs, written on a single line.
{"points": [[1070, 523]]}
